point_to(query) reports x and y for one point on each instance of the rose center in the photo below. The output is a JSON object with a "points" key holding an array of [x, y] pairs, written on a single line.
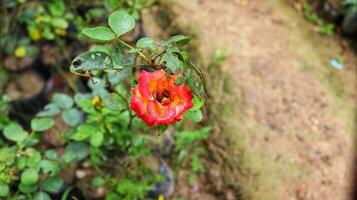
{"points": [[163, 98]]}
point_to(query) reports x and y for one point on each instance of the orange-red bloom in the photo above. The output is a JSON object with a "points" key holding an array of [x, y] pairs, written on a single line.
{"points": [[157, 100]]}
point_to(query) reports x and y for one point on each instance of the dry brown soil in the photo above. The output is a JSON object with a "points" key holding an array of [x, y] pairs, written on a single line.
{"points": [[291, 124]]}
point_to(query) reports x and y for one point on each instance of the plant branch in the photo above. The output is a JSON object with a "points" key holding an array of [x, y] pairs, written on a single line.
{"points": [[130, 47]]}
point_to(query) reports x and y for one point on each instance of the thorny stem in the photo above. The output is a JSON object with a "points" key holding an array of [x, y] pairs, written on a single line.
{"points": [[130, 47]]}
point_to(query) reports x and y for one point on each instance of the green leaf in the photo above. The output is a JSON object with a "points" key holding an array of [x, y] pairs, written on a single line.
{"points": [[50, 110], [57, 8], [28, 188], [42, 196], [98, 181], [100, 33], [62, 100], [52, 184], [68, 156], [29, 177], [106, 48], [21, 163], [197, 103], [8, 155], [172, 62], [42, 124], [121, 22], [47, 34], [34, 158], [195, 116], [84, 131], [80, 150], [71, 117], [49, 167], [91, 60], [66, 193], [14, 132], [4, 189], [118, 56], [180, 40], [51, 154], [59, 23], [145, 42], [97, 139]]}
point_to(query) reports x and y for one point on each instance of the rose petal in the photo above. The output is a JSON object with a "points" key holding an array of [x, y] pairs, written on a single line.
{"points": [[148, 82]]}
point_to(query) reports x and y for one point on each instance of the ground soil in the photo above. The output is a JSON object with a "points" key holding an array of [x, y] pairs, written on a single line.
{"points": [[287, 120]]}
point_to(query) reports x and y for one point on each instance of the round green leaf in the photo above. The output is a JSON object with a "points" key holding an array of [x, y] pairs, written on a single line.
{"points": [[29, 176], [62, 100], [79, 150], [121, 22], [42, 196], [71, 116], [101, 33], [145, 42], [59, 23], [49, 167], [49, 111], [4, 189], [28, 188], [41, 124], [14, 132], [195, 116], [52, 184], [51, 154], [34, 158]]}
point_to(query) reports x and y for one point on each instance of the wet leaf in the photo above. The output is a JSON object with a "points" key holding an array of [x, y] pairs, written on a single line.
{"points": [[91, 60]]}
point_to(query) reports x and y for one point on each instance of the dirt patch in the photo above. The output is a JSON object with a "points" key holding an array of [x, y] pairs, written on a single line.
{"points": [[285, 113], [25, 85]]}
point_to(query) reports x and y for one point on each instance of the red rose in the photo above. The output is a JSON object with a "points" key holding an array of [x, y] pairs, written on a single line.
{"points": [[157, 100]]}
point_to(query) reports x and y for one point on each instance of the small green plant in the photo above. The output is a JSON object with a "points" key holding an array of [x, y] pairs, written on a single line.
{"points": [[47, 21], [323, 27], [189, 152]]}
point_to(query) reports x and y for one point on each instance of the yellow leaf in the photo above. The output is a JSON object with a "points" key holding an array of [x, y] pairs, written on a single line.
{"points": [[20, 52]]}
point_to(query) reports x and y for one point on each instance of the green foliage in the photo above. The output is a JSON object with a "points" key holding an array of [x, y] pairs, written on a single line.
{"points": [[99, 128], [121, 22], [189, 151], [15, 132], [324, 28], [103, 34]]}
